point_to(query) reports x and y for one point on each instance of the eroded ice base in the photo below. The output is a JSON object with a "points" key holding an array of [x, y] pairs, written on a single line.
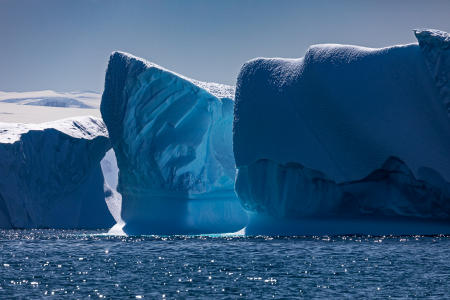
{"points": [[292, 199], [175, 214]]}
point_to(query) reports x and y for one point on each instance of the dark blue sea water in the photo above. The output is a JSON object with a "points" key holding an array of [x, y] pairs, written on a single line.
{"points": [[78, 264]]}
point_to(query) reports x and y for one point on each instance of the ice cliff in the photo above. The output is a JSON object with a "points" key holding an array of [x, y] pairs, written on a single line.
{"points": [[50, 174], [346, 132], [172, 138]]}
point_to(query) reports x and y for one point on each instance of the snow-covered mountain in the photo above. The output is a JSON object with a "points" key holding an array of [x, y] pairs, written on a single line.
{"points": [[172, 138]]}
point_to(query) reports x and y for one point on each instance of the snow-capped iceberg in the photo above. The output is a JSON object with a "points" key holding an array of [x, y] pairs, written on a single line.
{"points": [[50, 174], [172, 138], [346, 133]]}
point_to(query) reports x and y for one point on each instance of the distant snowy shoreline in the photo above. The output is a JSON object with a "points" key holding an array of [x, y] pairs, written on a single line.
{"points": [[47, 105]]}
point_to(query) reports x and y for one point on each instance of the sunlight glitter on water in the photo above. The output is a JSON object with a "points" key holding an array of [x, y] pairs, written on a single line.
{"points": [[78, 264]]}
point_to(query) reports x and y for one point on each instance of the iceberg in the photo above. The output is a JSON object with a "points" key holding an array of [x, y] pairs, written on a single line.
{"points": [[50, 175], [346, 140], [172, 137]]}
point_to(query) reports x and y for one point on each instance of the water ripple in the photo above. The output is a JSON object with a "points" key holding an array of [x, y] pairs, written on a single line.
{"points": [[80, 264]]}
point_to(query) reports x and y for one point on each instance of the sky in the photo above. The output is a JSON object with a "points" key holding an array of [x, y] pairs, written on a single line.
{"points": [[64, 45]]}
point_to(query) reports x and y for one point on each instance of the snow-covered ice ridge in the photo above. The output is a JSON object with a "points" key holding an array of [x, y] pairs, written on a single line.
{"points": [[50, 174], [51, 98], [346, 132], [173, 140], [78, 128]]}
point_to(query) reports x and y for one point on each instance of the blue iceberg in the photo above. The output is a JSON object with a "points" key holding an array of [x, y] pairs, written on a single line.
{"points": [[346, 140], [172, 137]]}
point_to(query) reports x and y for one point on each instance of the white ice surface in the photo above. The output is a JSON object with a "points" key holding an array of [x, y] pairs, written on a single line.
{"points": [[111, 175]]}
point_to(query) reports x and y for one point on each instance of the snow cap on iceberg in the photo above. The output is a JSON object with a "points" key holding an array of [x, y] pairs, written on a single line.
{"points": [[83, 127]]}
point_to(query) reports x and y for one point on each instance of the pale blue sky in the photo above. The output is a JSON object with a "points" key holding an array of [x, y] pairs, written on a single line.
{"points": [[64, 45]]}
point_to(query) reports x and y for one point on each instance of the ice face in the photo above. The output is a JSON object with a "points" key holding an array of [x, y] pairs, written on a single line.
{"points": [[172, 138], [320, 136], [51, 176], [111, 174], [296, 192], [436, 50]]}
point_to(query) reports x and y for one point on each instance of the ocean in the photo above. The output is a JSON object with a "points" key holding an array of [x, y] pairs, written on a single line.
{"points": [[91, 264]]}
